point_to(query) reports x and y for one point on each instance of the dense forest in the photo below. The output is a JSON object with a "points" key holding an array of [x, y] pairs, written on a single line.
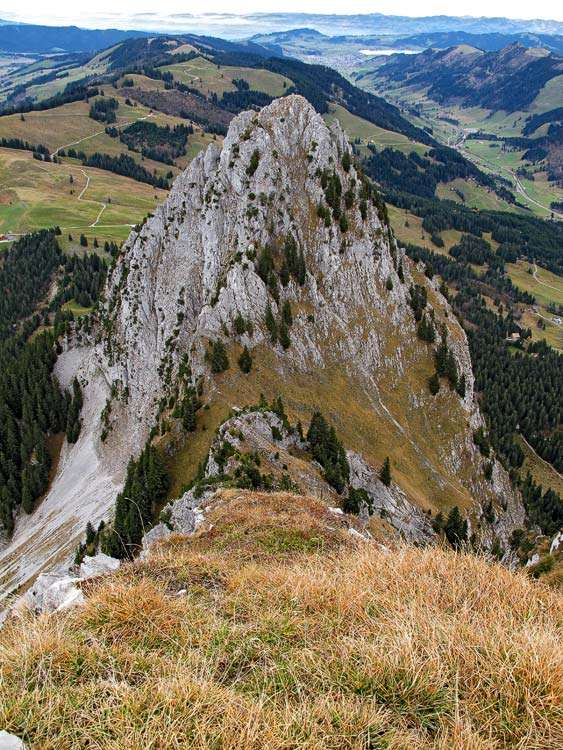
{"points": [[418, 175], [146, 485], [73, 92], [521, 393], [83, 280], [127, 166], [22, 145], [31, 405], [530, 237], [33, 409], [104, 109], [508, 79], [536, 121], [25, 274], [156, 142]]}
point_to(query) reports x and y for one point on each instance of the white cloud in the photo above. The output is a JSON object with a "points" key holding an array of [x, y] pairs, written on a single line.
{"points": [[145, 13]]}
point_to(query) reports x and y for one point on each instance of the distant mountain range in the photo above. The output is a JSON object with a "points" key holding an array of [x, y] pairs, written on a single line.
{"points": [[489, 42], [308, 42], [377, 23], [22, 37], [507, 80]]}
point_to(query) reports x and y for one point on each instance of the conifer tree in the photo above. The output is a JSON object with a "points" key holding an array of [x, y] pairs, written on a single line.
{"points": [[284, 338], [217, 357], [287, 315], [245, 360], [434, 384], [385, 473], [188, 410], [271, 325], [328, 451], [239, 324], [460, 388], [455, 528]]}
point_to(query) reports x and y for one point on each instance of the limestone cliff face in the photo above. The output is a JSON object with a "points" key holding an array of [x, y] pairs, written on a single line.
{"points": [[183, 279], [191, 268]]}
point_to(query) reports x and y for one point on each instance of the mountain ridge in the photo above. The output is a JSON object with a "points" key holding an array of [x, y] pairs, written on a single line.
{"points": [[180, 287], [505, 80]]}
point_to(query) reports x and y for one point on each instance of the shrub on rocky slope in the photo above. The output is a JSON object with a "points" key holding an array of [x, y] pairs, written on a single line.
{"points": [[275, 627]]}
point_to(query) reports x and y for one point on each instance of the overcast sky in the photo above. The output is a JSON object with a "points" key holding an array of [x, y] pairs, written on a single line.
{"points": [[124, 13]]}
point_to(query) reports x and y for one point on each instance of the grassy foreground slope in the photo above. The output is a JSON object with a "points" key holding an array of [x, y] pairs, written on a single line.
{"points": [[273, 628]]}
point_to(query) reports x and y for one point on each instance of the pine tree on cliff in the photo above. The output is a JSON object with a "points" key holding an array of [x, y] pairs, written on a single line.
{"points": [[284, 337], [328, 451], [385, 473], [245, 360], [271, 324], [217, 357], [434, 384], [455, 528]]}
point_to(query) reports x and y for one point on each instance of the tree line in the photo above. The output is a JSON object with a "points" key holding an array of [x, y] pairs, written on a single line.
{"points": [[33, 408], [160, 143], [127, 166], [520, 393], [525, 236]]}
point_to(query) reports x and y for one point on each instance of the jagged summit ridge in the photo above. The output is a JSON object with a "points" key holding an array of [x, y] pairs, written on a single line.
{"points": [[185, 277], [194, 255]]}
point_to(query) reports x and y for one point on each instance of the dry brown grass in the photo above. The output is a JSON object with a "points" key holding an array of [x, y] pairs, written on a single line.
{"points": [[289, 635]]}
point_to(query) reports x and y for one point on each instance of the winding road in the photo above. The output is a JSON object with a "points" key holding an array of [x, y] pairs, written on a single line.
{"points": [[80, 197], [100, 132], [498, 170], [91, 200]]}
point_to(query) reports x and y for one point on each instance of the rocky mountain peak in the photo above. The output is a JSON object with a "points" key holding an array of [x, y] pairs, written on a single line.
{"points": [[200, 261], [275, 246]]}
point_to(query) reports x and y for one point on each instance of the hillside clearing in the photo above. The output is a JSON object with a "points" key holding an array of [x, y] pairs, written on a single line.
{"points": [[356, 127], [35, 194], [209, 78]]}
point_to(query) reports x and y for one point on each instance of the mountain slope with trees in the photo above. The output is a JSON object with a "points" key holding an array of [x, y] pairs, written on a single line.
{"points": [[278, 243]]}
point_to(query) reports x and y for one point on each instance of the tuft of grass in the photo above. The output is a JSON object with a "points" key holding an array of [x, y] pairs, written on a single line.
{"points": [[216, 642]]}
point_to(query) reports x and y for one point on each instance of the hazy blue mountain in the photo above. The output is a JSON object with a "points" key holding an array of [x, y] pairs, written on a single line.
{"points": [[490, 42], [44, 39]]}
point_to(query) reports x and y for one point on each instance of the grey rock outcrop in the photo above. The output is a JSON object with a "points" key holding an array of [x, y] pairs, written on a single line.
{"points": [[52, 592], [185, 276], [98, 565], [556, 542], [57, 591], [183, 279], [390, 503], [182, 516], [10, 741]]}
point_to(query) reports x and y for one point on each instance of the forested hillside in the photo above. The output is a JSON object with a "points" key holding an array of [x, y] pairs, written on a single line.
{"points": [[33, 410], [508, 79]]}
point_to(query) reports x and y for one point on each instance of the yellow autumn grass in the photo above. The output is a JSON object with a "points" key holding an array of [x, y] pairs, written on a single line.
{"points": [[274, 629]]}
